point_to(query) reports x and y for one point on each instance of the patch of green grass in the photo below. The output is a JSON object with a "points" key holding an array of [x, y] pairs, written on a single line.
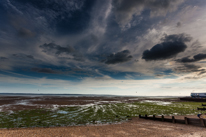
{"points": [[93, 114]]}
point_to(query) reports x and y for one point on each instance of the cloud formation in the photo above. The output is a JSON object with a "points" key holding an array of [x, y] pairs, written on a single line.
{"points": [[177, 38], [23, 32], [44, 70], [22, 56], [195, 58], [194, 71], [170, 47], [35, 34], [53, 48], [179, 24], [67, 17], [125, 10], [188, 68], [3, 58], [61, 52], [119, 57]]}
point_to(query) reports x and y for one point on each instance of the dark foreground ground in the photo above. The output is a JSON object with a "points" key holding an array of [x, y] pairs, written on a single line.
{"points": [[134, 128]]}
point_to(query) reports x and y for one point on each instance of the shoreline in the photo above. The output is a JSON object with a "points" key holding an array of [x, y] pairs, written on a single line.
{"points": [[134, 127], [16, 103]]}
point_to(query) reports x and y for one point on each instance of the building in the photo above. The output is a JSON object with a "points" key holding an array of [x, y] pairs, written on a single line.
{"points": [[200, 95]]}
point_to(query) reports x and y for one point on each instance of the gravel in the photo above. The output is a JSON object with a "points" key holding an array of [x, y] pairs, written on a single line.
{"points": [[135, 127]]}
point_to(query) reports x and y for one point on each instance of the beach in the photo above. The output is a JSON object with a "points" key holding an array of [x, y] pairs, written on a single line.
{"points": [[117, 109], [135, 127], [17, 103]]}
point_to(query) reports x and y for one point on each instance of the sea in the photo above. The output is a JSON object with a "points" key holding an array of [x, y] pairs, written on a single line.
{"points": [[84, 95]]}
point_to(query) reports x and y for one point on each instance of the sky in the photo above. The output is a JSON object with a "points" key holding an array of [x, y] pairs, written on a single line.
{"points": [[119, 47]]}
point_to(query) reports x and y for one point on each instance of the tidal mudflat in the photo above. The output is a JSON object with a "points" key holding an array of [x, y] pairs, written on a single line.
{"points": [[52, 111]]}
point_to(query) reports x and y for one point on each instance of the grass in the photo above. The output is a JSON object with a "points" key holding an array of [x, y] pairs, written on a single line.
{"points": [[93, 114]]}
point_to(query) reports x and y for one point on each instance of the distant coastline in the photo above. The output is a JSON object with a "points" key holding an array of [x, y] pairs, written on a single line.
{"points": [[83, 95]]}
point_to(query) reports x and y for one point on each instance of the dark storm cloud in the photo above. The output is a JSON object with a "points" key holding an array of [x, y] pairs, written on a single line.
{"points": [[3, 58], [119, 57], [195, 58], [22, 26], [21, 60], [62, 52], [22, 56], [44, 70], [177, 37], [199, 56], [164, 50], [178, 24], [53, 48], [191, 68], [23, 32], [78, 57], [71, 72], [65, 17], [125, 10], [202, 71], [78, 21], [185, 60], [188, 68], [171, 46]]}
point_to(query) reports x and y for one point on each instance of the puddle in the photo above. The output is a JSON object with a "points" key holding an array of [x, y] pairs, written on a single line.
{"points": [[134, 99], [156, 102], [131, 106], [62, 112]]}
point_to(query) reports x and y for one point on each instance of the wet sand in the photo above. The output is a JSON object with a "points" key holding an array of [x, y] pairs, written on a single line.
{"points": [[16, 103], [136, 127]]}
